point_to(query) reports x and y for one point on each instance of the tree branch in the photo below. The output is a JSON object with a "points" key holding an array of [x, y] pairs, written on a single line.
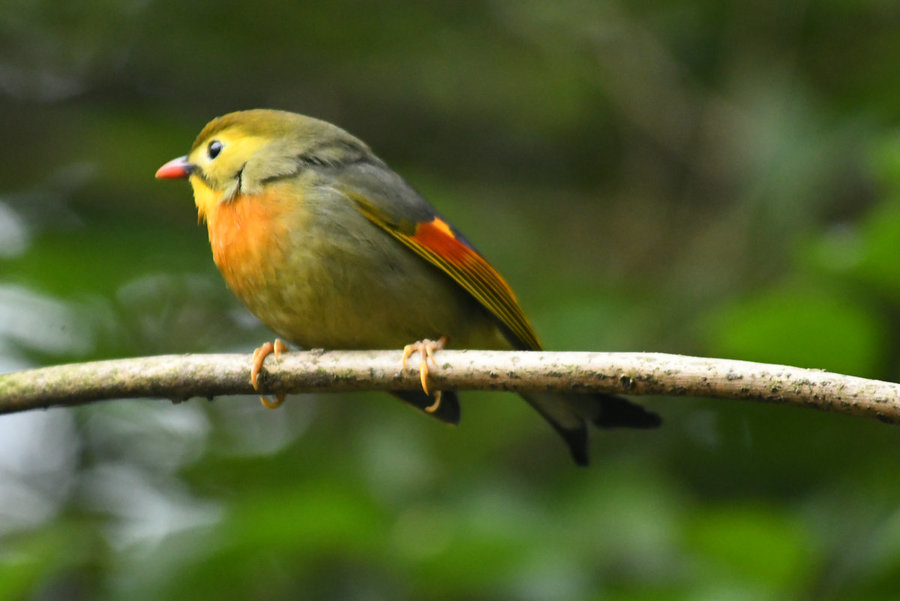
{"points": [[180, 377]]}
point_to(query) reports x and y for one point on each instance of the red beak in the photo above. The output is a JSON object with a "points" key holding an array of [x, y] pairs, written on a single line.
{"points": [[178, 168]]}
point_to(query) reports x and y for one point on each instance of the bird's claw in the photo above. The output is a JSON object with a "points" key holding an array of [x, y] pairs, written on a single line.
{"points": [[259, 356], [426, 349]]}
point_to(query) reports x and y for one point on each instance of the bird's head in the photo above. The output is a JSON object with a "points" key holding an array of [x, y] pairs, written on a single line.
{"points": [[239, 153]]}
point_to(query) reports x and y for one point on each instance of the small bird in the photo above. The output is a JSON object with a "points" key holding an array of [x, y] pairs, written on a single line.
{"points": [[330, 248]]}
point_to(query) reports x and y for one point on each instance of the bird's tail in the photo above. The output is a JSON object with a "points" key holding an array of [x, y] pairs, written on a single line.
{"points": [[569, 414]]}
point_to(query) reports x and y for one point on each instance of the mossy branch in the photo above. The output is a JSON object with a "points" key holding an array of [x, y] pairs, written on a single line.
{"points": [[180, 377]]}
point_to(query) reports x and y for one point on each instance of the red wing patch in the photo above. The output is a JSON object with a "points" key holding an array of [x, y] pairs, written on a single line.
{"points": [[436, 241], [438, 236]]}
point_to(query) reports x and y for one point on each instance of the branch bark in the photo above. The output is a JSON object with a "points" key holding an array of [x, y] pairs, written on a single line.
{"points": [[180, 377]]}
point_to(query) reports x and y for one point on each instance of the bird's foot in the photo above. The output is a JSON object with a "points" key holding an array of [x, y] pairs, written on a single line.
{"points": [[426, 349], [259, 356]]}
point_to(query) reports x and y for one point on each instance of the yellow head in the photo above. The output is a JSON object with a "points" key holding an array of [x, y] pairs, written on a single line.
{"points": [[239, 153]]}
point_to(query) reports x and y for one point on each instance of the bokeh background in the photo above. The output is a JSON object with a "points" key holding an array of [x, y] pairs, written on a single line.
{"points": [[691, 176]]}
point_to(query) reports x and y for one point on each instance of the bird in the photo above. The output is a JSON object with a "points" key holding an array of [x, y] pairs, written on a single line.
{"points": [[332, 249]]}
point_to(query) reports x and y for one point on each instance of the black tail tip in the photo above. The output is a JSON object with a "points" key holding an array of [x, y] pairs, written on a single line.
{"points": [[621, 413], [615, 412], [577, 441]]}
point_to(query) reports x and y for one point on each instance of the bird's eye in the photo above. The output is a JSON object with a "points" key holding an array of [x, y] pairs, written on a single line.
{"points": [[214, 148]]}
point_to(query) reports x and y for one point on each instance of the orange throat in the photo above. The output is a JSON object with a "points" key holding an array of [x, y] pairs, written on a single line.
{"points": [[246, 235]]}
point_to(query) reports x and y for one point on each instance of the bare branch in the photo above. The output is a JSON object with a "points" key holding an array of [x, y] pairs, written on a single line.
{"points": [[179, 377]]}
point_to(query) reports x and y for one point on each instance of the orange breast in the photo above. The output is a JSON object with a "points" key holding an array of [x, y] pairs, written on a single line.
{"points": [[248, 240]]}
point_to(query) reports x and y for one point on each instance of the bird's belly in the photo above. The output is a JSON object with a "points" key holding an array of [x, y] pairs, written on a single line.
{"points": [[350, 303], [349, 288]]}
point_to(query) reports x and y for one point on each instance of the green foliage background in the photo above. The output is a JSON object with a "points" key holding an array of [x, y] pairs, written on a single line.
{"points": [[699, 177]]}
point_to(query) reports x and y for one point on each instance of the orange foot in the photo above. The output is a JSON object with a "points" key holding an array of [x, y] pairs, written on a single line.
{"points": [[426, 349], [259, 356]]}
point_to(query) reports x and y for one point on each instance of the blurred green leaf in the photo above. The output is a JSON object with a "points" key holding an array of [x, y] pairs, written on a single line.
{"points": [[770, 552], [801, 325]]}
